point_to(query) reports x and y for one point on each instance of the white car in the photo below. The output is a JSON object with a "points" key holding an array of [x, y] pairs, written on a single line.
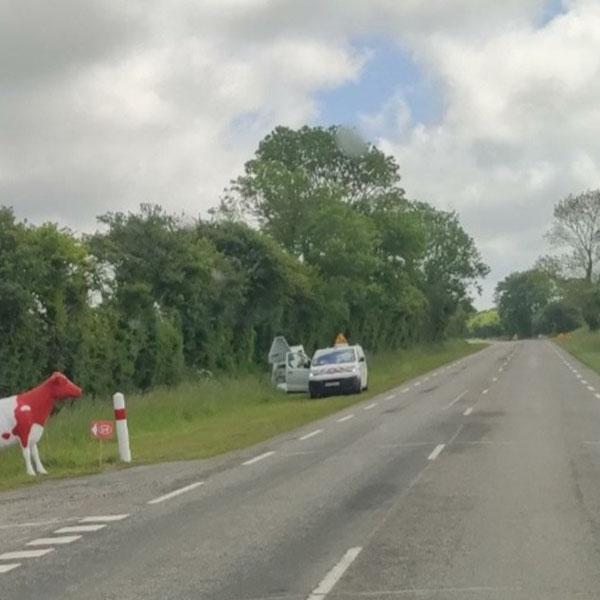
{"points": [[341, 369]]}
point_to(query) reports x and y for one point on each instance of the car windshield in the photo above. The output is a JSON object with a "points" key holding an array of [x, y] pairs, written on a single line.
{"points": [[335, 357]]}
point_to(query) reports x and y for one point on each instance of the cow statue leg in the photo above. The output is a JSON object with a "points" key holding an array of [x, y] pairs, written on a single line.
{"points": [[39, 467], [35, 434], [27, 456], [22, 430]]}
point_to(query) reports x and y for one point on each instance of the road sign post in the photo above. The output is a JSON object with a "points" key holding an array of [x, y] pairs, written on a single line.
{"points": [[122, 429], [102, 430]]}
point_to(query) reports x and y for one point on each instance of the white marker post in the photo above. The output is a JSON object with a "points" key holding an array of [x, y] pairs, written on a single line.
{"points": [[122, 430]]}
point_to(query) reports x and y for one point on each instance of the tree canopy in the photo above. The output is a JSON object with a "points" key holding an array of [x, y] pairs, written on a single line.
{"points": [[316, 236]]}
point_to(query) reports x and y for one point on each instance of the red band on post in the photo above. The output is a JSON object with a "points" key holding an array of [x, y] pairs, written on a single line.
{"points": [[120, 414]]}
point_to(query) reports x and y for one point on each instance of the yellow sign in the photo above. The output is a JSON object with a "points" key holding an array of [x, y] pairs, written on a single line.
{"points": [[340, 339]]}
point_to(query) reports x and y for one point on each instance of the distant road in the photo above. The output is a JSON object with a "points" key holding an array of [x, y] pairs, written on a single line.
{"points": [[480, 480]]}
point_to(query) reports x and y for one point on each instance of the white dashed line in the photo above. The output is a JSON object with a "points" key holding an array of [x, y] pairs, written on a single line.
{"points": [[500, 369], [104, 518], [25, 554], [468, 412], [311, 434], [259, 458], [328, 583], [9, 567], [370, 406], [80, 529], [436, 452], [390, 397], [406, 390], [52, 541], [485, 391], [183, 490], [597, 395], [461, 395], [495, 379], [346, 418], [584, 382], [589, 387], [417, 384]]}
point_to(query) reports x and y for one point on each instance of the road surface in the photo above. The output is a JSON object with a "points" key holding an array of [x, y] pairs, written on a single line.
{"points": [[479, 480]]}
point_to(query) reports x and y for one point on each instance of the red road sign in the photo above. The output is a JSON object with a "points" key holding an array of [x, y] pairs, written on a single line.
{"points": [[102, 430]]}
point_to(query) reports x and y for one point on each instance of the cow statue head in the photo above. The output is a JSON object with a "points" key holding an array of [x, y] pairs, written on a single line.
{"points": [[62, 387]]}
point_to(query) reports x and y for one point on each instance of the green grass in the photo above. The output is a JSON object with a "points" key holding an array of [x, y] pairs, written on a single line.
{"points": [[584, 345], [206, 418]]}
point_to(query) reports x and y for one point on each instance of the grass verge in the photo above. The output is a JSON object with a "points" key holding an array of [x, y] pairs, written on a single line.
{"points": [[203, 419], [583, 345]]}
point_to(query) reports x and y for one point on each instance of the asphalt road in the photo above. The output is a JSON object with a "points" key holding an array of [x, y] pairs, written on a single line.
{"points": [[479, 480]]}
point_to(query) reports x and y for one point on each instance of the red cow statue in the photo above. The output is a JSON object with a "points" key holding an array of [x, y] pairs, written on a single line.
{"points": [[22, 417]]}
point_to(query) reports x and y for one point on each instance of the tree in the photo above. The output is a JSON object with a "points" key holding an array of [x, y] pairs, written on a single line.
{"points": [[557, 317], [577, 228], [451, 264], [485, 324], [520, 297]]}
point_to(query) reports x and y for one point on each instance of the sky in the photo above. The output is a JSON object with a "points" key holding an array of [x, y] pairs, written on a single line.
{"points": [[490, 108]]}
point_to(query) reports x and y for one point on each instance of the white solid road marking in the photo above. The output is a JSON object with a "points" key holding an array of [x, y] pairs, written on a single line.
{"points": [[390, 397], [468, 412], [80, 529], [25, 554], [461, 395], [346, 418], [485, 391], [259, 458], [51, 541], [311, 434], [104, 518], [9, 567], [370, 406], [329, 581], [174, 493], [436, 452]]}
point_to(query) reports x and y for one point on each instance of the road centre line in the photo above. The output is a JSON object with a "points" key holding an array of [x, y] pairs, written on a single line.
{"points": [[494, 379], [346, 418], [584, 382], [52, 541], [597, 395], [436, 452], [370, 406], [406, 390], [259, 458], [461, 395], [417, 384], [311, 434], [25, 554], [80, 529], [468, 412], [104, 518], [485, 391], [591, 388], [177, 492], [329, 581], [9, 567], [390, 397]]}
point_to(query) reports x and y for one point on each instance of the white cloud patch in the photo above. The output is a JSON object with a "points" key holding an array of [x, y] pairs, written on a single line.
{"points": [[106, 104]]}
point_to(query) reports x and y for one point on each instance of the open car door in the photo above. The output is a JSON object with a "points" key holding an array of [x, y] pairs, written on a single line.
{"points": [[296, 371]]}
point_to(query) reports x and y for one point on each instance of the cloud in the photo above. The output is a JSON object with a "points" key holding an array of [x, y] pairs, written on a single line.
{"points": [[105, 104]]}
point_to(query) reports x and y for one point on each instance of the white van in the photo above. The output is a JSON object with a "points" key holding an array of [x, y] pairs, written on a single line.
{"points": [[338, 370]]}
